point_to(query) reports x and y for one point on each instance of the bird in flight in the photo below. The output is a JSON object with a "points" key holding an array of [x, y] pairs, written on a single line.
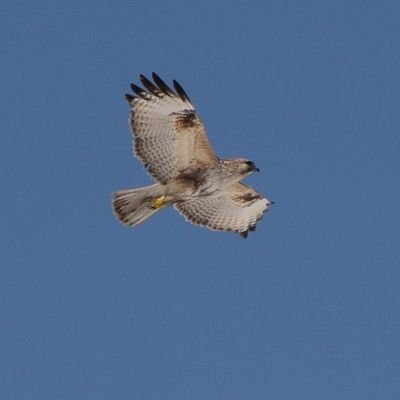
{"points": [[171, 141]]}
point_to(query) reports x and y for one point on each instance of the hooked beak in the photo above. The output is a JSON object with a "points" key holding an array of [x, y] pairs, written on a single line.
{"points": [[252, 166], [255, 168]]}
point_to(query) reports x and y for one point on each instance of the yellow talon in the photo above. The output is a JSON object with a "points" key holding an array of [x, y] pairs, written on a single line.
{"points": [[159, 202]]}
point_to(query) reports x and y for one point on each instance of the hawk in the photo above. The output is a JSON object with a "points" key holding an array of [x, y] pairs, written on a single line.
{"points": [[170, 140]]}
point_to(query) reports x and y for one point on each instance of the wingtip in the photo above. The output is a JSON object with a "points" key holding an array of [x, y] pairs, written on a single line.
{"points": [[129, 97], [150, 86], [244, 234], [181, 92], [155, 76], [162, 85], [136, 89]]}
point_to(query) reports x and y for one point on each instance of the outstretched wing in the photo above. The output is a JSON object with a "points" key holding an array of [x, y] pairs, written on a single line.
{"points": [[168, 135], [237, 209]]}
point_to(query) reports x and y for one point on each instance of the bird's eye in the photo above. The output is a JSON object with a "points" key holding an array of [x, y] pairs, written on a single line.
{"points": [[250, 164]]}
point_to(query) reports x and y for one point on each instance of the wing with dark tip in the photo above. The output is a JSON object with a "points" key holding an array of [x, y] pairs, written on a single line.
{"points": [[182, 94], [150, 86], [168, 135], [236, 209], [162, 85]]}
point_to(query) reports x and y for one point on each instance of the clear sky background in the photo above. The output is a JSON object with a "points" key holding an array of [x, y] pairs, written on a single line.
{"points": [[306, 308]]}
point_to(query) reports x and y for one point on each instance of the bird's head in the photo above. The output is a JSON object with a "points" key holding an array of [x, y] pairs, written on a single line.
{"points": [[240, 166], [247, 167]]}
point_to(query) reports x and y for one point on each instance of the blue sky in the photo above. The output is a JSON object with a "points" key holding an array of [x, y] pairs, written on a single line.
{"points": [[305, 308]]}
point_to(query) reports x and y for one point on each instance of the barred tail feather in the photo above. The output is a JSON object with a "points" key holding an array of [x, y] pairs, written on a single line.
{"points": [[134, 206]]}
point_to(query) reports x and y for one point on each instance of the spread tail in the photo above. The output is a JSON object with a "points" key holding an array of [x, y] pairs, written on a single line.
{"points": [[133, 206]]}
